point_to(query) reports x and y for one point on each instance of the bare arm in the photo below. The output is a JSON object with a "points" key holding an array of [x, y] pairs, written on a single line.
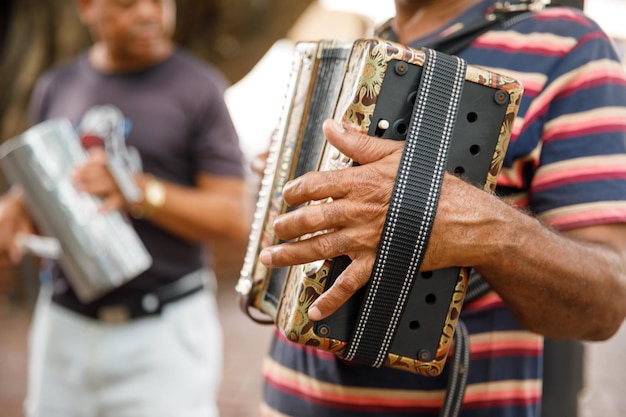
{"points": [[561, 285], [218, 207]]}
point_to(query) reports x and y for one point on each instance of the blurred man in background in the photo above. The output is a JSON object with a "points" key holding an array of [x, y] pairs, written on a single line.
{"points": [[146, 361]]}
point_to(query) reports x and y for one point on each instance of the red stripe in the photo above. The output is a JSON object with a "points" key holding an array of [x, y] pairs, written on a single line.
{"points": [[489, 301], [589, 130], [358, 403], [504, 402], [574, 221], [505, 46], [573, 178], [564, 14], [589, 83], [501, 353]]}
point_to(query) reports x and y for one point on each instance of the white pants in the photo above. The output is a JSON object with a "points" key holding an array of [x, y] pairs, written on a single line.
{"points": [[162, 366]]}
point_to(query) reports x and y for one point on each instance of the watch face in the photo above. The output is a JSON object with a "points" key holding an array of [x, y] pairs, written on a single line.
{"points": [[155, 193]]}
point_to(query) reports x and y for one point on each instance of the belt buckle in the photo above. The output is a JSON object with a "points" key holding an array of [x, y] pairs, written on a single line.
{"points": [[114, 314]]}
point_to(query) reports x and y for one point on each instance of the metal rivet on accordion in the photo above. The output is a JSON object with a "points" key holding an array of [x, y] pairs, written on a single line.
{"points": [[500, 97], [400, 68], [323, 330], [424, 355]]}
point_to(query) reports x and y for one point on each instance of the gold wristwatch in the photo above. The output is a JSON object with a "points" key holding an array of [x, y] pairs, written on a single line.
{"points": [[153, 198]]}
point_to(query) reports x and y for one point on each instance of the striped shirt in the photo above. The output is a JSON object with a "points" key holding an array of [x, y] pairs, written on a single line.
{"points": [[566, 163]]}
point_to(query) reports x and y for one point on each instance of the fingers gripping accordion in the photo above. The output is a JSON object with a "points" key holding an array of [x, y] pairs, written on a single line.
{"points": [[378, 87]]}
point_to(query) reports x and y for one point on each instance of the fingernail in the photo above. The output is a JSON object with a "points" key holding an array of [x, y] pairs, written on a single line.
{"points": [[334, 125], [314, 313], [266, 257], [338, 127], [287, 186]]}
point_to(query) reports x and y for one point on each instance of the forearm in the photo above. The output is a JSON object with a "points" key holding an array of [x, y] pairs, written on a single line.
{"points": [[556, 284], [199, 214]]}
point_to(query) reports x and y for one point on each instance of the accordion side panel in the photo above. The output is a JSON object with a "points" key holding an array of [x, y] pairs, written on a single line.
{"points": [[289, 155], [281, 155], [356, 106], [364, 79], [514, 90], [304, 285], [434, 367]]}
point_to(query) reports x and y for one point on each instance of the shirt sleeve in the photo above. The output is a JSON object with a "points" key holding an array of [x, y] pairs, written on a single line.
{"points": [[216, 144], [581, 176]]}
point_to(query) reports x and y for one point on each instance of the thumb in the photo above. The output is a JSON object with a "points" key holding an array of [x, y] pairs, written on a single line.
{"points": [[360, 147]]}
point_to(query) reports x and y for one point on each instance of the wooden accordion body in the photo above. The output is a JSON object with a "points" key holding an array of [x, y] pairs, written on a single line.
{"points": [[371, 85]]}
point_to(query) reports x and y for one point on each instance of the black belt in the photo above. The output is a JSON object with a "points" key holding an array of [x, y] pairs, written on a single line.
{"points": [[149, 304]]}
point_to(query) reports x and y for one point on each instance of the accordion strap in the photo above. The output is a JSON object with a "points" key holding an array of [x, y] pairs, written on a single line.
{"points": [[457, 381], [412, 208]]}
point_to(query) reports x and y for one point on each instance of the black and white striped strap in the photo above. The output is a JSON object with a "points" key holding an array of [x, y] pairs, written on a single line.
{"points": [[412, 208]]}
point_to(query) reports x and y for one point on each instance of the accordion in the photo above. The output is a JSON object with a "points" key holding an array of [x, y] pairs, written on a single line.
{"points": [[370, 84]]}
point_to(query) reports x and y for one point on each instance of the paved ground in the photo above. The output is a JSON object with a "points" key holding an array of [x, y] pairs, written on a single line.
{"points": [[246, 343]]}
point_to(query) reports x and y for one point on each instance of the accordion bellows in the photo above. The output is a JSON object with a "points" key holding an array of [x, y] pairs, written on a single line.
{"points": [[370, 84]]}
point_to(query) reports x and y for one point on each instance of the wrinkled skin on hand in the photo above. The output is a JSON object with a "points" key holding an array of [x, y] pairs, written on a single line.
{"points": [[356, 216]]}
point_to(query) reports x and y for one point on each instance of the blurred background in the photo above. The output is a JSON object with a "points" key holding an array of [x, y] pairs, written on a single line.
{"points": [[250, 41]]}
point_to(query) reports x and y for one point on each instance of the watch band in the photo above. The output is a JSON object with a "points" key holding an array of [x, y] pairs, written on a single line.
{"points": [[154, 196]]}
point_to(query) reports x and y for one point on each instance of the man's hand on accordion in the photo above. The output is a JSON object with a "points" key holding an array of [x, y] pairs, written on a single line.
{"points": [[355, 215]]}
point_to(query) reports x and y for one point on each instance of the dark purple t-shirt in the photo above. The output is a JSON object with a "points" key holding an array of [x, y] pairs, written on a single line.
{"points": [[180, 125]]}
